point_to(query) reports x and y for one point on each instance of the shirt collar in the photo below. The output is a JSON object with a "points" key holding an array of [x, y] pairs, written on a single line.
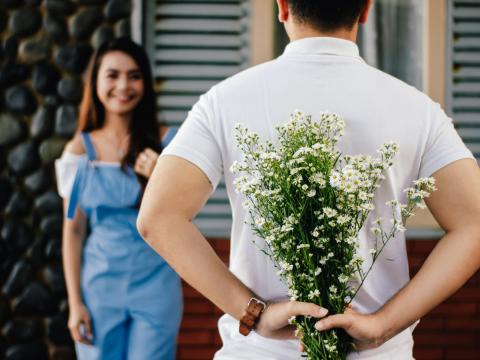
{"points": [[323, 45]]}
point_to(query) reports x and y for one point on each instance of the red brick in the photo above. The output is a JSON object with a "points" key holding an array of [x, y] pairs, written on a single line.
{"points": [[467, 293], [217, 340], [463, 353], [191, 293], [424, 246], [221, 245], [427, 353], [199, 322], [430, 323], [451, 309], [197, 307], [195, 338], [463, 323], [196, 353], [218, 312], [410, 246], [473, 282], [416, 262], [444, 338]]}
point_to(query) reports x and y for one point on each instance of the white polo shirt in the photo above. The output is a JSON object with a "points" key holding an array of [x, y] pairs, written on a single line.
{"points": [[314, 75]]}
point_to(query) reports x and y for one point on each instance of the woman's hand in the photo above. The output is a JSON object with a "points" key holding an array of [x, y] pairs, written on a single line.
{"points": [[79, 324], [145, 162], [274, 320]]}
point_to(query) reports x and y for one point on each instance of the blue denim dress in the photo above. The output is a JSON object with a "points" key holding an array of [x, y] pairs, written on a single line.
{"points": [[133, 296]]}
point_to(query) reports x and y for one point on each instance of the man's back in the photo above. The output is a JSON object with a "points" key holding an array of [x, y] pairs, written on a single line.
{"points": [[315, 75]]}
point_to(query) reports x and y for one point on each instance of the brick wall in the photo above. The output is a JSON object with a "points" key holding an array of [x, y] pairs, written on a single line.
{"points": [[451, 331], [199, 338]]}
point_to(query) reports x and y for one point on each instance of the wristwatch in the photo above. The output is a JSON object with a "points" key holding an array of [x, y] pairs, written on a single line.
{"points": [[252, 314]]}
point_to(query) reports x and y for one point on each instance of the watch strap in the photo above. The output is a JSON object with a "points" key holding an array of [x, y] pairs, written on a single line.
{"points": [[252, 314]]}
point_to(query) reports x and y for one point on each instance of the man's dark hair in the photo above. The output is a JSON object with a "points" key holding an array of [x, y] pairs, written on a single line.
{"points": [[327, 15]]}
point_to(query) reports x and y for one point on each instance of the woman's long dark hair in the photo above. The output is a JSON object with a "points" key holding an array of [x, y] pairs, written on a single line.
{"points": [[143, 127]]}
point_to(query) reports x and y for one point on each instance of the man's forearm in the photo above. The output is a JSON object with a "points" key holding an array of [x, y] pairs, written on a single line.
{"points": [[452, 262], [180, 243]]}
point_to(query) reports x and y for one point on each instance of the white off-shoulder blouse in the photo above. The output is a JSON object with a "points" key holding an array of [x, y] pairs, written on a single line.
{"points": [[65, 171]]}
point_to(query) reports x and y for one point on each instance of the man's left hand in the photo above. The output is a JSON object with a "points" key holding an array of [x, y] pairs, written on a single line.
{"points": [[365, 329]]}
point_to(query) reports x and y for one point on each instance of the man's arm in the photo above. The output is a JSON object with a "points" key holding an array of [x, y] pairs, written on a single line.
{"points": [[456, 257], [176, 192]]}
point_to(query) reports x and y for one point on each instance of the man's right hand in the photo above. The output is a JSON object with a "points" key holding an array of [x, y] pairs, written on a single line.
{"points": [[274, 321], [79, 324]]}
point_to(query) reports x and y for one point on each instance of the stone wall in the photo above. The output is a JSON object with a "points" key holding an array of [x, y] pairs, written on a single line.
{"points": [[44, 49]]}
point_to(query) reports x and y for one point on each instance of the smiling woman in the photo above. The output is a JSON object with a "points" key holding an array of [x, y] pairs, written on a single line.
{"points": [[119, 83], [115, 282]]}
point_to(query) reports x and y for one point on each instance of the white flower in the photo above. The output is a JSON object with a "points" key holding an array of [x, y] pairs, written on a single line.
{"points": [[303, 246], [335, 179], [376, 231], [392, 203], [235, 167], [367, 206], [343, 219], [314, 294], [329, 212], [260, 222]]}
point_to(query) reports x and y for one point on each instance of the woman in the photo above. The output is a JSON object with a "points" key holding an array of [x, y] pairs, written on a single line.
{"points": [[124, 300]]}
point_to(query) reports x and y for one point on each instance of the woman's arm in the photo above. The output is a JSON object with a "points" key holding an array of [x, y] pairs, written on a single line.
{"points": [[74, 232]]}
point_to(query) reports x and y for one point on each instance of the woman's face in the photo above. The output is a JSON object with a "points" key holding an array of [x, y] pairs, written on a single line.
{"points": [[119, 83]]}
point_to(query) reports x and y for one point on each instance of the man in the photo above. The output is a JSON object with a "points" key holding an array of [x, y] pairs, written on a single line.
{"points": [[319, 70]]}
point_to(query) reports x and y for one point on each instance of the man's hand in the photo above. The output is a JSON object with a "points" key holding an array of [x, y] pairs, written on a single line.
{"points": [[274, 321], [365, 329]]}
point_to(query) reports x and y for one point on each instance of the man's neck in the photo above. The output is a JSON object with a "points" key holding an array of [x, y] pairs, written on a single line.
{"points": [[307, 32]]}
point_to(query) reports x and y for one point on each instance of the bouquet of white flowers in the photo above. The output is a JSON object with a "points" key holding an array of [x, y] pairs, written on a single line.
{"points": [[309, 202]]}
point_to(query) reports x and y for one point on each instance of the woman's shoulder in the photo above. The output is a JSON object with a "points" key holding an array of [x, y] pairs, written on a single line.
{"points": [[75, 145]]}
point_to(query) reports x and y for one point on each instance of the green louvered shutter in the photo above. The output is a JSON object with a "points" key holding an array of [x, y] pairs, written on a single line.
{"points": [[463, 70], [193, 45]]}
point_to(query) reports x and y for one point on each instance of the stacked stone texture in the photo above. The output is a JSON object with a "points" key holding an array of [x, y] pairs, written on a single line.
{"points": [[45, 47]]}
